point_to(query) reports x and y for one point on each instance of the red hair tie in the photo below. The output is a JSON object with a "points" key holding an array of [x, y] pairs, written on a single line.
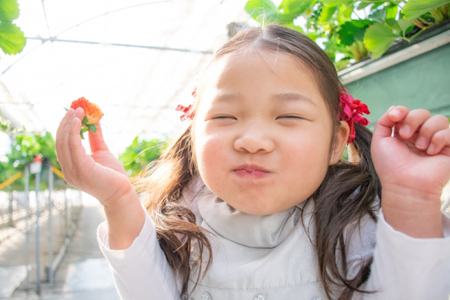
{"points": [[351, 111], [186, 109]]}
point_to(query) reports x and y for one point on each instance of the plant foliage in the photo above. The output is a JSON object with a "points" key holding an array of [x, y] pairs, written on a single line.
{"points": [[352, 30], [140, 153], [24, 147], [12, 38]]}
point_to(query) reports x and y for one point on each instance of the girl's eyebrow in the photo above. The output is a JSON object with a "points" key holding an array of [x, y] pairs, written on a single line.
{"points": [[285, 97], [293, 97], [226, 97]]}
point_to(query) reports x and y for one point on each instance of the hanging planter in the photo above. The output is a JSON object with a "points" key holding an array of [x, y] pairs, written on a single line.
{"points": [[413, 74], [388, 52], [352, 31]]}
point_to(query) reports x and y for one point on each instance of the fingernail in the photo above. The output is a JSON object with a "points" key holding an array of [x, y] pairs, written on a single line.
{"points": [[395, 112], [405, 130], [431, 149], [421, 142]]}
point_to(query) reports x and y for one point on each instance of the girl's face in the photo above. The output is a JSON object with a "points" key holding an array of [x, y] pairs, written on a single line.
{"points": [[263, 132]]}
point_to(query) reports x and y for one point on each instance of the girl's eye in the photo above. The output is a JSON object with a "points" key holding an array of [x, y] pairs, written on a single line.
{"points": [[223, 117], [293, 117]]}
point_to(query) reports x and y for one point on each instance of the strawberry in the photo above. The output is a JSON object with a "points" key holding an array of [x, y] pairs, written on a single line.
{"points": [[92, 115]]}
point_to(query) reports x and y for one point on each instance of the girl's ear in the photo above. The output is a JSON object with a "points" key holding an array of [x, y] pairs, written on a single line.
{"points": [[340, 142]]}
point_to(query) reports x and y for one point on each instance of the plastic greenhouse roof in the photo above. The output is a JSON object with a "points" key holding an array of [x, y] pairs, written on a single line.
{"points": [[136, 59]]}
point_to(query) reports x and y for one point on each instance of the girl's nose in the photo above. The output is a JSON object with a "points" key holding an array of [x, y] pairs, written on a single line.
{"points": [[255, 139]]}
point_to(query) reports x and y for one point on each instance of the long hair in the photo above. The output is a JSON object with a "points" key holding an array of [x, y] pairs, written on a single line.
{"points": [[347, 193]]}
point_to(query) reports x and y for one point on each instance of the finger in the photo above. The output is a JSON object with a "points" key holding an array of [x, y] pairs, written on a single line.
{"points": [[440, 143], [96, 140], [62, 138], [413, 122], [428, 129], [77, 151], [384, 125]]}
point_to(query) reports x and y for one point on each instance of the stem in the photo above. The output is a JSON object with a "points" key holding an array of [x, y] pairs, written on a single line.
{"points": [[444, 10], [423, 21], [419, 24], [412, 37], [437, 15]]}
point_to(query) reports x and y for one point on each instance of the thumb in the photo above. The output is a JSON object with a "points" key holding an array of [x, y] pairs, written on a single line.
{"points": [[96, 140]]}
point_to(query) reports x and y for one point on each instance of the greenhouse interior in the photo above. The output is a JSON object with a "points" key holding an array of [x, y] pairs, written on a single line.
{"points": [[141, 62]]}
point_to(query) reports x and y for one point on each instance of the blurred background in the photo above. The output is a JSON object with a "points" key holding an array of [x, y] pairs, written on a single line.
{"points": [[138, 60]]}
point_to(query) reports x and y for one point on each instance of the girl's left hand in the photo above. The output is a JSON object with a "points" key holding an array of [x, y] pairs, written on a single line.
{"points": [[411, 154]]}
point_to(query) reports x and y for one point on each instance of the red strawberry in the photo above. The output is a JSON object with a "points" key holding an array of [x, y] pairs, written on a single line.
{"points": [[92, 115]]}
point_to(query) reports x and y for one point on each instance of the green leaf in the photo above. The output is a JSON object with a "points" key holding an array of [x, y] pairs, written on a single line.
{"points": [[405, 24], [378, 15], [9, 10], [12, 39], [295, 8], [391, 11], [263, 11], [92, 128], [352, 31], [344, 13], [363, 5], [4, 126], [415, 8], [82, 131], [85, 120], [327, 13], [140, 153], [378, 38], [392, 23], [336, 2], [377, 4]]}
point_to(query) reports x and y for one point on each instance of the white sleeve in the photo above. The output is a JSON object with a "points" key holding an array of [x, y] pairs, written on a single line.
{"points": [[409, 268], [141, 271]]}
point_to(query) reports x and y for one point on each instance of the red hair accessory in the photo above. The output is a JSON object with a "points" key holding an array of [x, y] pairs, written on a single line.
{"points": [[351, 111], [186, 109]]}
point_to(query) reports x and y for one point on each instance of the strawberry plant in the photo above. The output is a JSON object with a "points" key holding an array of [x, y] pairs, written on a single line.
{"points": [[350, 30], [24, 147], [140, 153], [12, 39]]}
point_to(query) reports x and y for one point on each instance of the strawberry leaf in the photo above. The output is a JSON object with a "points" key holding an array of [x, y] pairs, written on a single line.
{"points": [[92, 128], [378, 38], [85, 120], [415, 8], [9, 10], [12, 39], [263, 11]]}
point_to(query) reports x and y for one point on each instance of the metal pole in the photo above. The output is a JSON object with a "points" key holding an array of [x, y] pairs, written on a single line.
{"points": [[50, 223], [38, 278], [27, 225], [66, 214], [10, 210]]}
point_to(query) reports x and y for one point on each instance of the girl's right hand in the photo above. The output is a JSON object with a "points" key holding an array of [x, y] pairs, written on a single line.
{"points": [[100, 173]]}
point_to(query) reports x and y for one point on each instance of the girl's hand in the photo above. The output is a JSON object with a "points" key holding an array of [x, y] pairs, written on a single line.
{"points": [[101, 175], [411, 154]]}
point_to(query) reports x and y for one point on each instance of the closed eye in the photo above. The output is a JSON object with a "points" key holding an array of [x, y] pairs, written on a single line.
{"points": [[223, 117], [290, 117]]}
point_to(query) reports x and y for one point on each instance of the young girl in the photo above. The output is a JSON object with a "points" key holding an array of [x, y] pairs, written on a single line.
{"points": [[252, 200]]}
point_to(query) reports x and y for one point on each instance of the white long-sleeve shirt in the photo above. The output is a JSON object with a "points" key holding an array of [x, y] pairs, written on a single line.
{"points": [[402, 268]]}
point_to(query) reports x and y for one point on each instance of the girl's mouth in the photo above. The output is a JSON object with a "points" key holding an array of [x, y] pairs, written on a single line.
{"points": [[252, 171]]}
